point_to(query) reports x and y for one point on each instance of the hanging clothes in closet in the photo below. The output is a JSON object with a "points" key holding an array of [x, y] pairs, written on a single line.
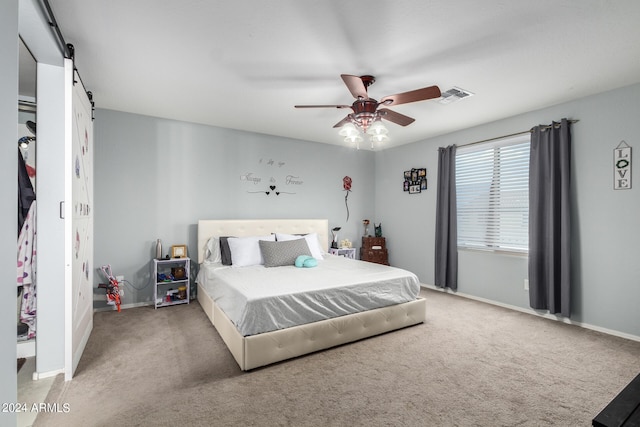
{"points": [[26, 254], [26, 194], [27, 270]]}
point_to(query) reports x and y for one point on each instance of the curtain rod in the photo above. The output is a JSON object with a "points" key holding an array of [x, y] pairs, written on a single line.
{"points": [[514, 134]]}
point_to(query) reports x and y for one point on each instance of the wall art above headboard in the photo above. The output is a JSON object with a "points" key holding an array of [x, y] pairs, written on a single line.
{"points": [[270, 178]]}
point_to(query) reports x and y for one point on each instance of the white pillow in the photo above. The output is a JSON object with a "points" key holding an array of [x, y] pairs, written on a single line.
{"points": [[245, 251], [313, 241], [212, 252]]}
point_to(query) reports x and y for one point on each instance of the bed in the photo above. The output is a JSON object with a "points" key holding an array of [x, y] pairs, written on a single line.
{"points": [[256, 343]]}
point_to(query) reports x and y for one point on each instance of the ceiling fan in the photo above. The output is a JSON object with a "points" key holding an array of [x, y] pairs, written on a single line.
{"points": [[367, 110]]}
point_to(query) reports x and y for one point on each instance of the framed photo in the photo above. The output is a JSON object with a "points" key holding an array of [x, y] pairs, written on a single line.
{"points": [[414, 189], [179, 251], [415, 180]]}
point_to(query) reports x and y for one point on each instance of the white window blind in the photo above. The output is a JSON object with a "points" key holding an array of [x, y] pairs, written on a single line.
{"points": [[492, 193]]}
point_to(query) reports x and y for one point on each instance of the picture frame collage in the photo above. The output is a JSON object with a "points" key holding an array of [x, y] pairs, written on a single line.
{"points": [[415, 180]]}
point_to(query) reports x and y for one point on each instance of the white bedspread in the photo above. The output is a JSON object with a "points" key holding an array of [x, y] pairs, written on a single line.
{"points": [[259, 299]]}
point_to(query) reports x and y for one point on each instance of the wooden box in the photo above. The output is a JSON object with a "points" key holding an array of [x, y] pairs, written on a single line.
{"points": [[374, 249]]}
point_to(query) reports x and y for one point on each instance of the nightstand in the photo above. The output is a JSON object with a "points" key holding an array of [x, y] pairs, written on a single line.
{"points": [[171, 277], [345, 252], [374, 249]]}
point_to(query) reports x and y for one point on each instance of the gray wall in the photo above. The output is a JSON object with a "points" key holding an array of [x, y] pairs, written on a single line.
{"points": [[8, 210], [606, 225], [155, 178]]}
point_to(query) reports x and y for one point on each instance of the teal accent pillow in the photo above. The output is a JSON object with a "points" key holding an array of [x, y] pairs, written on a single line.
{"points": [[300, 260], [311, 262], [306, 261]]}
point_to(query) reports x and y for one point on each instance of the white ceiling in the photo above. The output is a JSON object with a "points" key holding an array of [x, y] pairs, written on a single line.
{"points": [[245, 64]]}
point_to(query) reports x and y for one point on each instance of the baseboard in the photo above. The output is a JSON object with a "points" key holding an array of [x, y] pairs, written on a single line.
{"points": [[535, 313], [123, 306], [42, 375]]}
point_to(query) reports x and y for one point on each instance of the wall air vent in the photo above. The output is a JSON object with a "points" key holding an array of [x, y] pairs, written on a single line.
{"points": [[454, 94]]}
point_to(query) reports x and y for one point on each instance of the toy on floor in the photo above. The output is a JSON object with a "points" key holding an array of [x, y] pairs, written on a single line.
{"points": [[114, 293]]}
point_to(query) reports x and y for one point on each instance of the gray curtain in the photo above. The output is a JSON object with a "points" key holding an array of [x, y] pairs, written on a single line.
{"points": [[446, 259], [550, 218]]}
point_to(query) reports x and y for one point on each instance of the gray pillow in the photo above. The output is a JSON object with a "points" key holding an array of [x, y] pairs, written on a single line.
{"points": [[281, 253], [225, 252]]}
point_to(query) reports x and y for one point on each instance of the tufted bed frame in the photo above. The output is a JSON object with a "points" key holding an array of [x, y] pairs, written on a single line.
{"points": [[259, 350]]}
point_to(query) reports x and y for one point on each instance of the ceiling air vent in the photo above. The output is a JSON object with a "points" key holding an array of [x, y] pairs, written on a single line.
{"points": [[454, 94]]}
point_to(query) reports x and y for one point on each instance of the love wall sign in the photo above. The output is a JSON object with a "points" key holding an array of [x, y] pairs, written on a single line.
{"points": [[622, 167]]}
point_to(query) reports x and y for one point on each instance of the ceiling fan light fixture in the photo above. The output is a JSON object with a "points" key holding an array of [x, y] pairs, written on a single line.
{"points": [[355, 138], [366, 118], [348, 130], [377, 128], [364, 124], [379, 138]]}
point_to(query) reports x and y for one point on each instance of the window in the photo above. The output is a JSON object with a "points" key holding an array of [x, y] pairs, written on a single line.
{"points": [[492, 187]]}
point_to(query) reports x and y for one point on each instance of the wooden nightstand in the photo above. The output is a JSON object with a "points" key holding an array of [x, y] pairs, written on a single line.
{"points": [[345, 252], [374, 249]]}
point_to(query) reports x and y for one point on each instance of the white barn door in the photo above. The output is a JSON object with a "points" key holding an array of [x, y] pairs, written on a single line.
{"points": [[80, 324]]}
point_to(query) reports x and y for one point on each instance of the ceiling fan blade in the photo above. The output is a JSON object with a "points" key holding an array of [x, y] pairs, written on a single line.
{"points": [[342, 122], [397, 118], [355, 85], [322, 106], [412, 96]]}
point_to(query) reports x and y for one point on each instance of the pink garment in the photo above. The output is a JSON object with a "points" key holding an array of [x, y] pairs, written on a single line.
{"points": [[27, 270]]}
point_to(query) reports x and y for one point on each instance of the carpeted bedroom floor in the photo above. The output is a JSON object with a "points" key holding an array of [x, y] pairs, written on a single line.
{"points": [[470, 364]]}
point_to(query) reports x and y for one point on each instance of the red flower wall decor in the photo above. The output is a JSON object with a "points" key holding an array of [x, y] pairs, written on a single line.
{"points": [[346, 184]]}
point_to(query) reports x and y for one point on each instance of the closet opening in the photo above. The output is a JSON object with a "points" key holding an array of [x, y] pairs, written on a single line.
{"points": [[26, 282]]}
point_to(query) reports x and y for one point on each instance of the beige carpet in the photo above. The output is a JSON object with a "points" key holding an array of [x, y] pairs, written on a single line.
{"points": [[470, 364]]}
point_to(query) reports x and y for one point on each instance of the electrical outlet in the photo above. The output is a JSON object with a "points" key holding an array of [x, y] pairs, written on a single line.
{"points": [[526, 284], [120, 279]]}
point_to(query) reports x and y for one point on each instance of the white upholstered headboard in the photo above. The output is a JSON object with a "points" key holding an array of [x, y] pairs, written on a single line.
{"points": [[208, 228]]}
